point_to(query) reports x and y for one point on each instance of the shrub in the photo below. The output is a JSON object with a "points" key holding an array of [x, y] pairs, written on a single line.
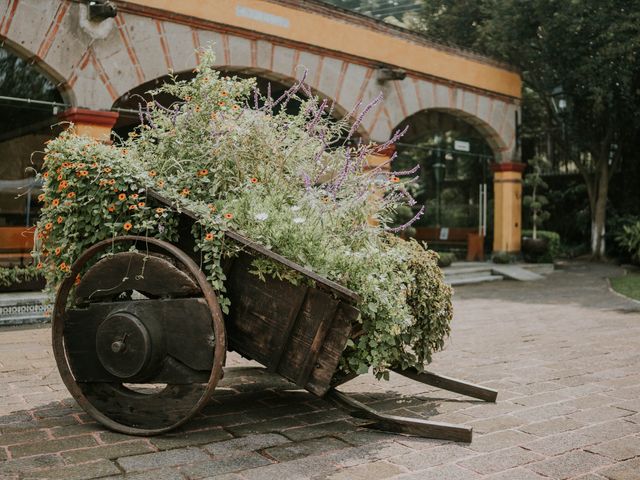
{"points": [[555, 249], [289, 182], [629, 239], [12, 275]]}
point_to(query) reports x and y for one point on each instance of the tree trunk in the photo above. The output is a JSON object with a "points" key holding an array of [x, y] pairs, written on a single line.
{"points": [[599, 209]]}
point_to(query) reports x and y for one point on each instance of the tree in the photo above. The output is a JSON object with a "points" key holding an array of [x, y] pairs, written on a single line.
{"points": [[589, 48]]}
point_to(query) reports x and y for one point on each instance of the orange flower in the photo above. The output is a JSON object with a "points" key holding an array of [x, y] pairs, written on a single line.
{"points": [[45, 174], [141, 204], [395, 179], [103, 182], [82, 173], [111, 208], [94, 165], [127, 226], [159, 210], [160, 183], [71, 194], [235, 107], [185, 192], [122, 197], [63, 184], [254, 180], [63, 266], [188, 98], [58, 251], [134, 196], [55, 202], [203, 172], [133, 207], [41, 197], [213, 115], [39, 265], [153, 173], [60, 219], [221, 104], [212, 207], [81, 165], [197, 108], [224, 93], [59, 177], [76, 282], [112, 181], [48, 226], [208, 237], [228, 216]]}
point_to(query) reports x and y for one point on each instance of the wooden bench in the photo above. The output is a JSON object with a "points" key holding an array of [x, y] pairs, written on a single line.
{"points": [[466, 239], [16, 244]]}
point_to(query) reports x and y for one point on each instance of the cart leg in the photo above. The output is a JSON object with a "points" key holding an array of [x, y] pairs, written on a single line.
{"points": [[393, 423], [450, 384]]}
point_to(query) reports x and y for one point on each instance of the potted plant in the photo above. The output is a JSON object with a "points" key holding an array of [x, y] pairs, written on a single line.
{"points": [[535, 246]]}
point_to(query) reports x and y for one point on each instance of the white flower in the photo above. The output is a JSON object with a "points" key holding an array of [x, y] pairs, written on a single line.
{"points": [[299, 220], [295, 208], [261, 216]]}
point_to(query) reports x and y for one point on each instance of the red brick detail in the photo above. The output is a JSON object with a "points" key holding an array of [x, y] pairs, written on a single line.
{"points": [[6, 21], [104, 77], [195, 38], [508, 167], [164, 45], [53, 30], [401, 101], [340, 82], [91, 117], [124, 35]]}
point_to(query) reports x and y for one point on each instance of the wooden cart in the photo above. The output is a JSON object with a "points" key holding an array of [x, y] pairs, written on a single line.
{"points": [[140, 342]]}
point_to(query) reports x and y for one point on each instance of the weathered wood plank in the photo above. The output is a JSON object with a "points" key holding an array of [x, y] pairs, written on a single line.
{"points": [[397, 424], [450, 384]]}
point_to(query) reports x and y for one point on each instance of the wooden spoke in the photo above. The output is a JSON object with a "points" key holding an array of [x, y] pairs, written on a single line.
{"points": [[171, 342]]}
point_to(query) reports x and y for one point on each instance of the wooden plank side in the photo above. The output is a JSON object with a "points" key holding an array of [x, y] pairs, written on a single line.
{"points": [[333, 345], [260, 313]]}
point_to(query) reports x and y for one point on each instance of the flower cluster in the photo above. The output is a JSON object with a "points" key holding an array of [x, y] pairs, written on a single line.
{"points": [[296, 183]]}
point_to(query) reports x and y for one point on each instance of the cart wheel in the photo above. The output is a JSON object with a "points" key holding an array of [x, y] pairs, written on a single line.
{"points": [[140, 340]]}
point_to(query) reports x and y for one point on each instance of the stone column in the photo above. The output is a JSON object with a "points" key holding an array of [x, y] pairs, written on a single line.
{"points": [[91, 123], [507, 210]]}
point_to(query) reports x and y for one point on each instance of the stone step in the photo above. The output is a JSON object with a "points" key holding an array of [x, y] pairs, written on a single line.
{"points": [[455, 272], [467, 280], [22, 308]]}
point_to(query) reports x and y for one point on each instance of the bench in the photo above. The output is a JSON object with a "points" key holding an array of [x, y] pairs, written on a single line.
{"points": [[466, 239], [16, 244]]}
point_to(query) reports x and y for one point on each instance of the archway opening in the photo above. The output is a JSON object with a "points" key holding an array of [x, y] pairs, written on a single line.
{"points": [[29, 101], [454, 178]]}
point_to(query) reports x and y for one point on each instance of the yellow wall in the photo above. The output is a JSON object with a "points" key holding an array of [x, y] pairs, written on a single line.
{"points": [[337, 35]]}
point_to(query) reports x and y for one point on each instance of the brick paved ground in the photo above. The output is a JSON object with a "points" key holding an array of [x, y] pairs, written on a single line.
{"points": [[564, 354]]}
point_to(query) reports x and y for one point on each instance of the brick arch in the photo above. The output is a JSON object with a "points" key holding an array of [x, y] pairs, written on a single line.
{"points": [[491, 116]]}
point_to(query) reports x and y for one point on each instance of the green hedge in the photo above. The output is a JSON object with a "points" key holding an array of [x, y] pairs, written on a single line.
{"points": [[555, 245]]}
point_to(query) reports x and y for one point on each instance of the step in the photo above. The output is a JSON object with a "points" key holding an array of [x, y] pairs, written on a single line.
{"points": [[22, 308], [471, 279]]}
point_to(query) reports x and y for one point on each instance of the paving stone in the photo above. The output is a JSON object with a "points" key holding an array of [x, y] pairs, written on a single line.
{"points": [[520, 473], [499, 440], [239, 446], [74, 430], [274, 425], [101, 468], [367, 437], [369, 471], [501, 460], [490, 425], [107, 451], [320, 430], [51, 446], [619, 449], [622, 471], [314, 446], [442, 472], [22, 437], [225, 465], [561, 443], [569, 465], [167, 458], [22, 465], [550, 427], [303, 468], [431, 457], [544, 398], [161, 474], [185, 439], [600, 414]]}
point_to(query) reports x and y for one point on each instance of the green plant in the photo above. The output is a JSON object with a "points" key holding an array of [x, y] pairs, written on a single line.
{"points": [[289, 182], [629, 239], [502, 258], [446, 258], [554, 245], [535, 201], [12, 275]]}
